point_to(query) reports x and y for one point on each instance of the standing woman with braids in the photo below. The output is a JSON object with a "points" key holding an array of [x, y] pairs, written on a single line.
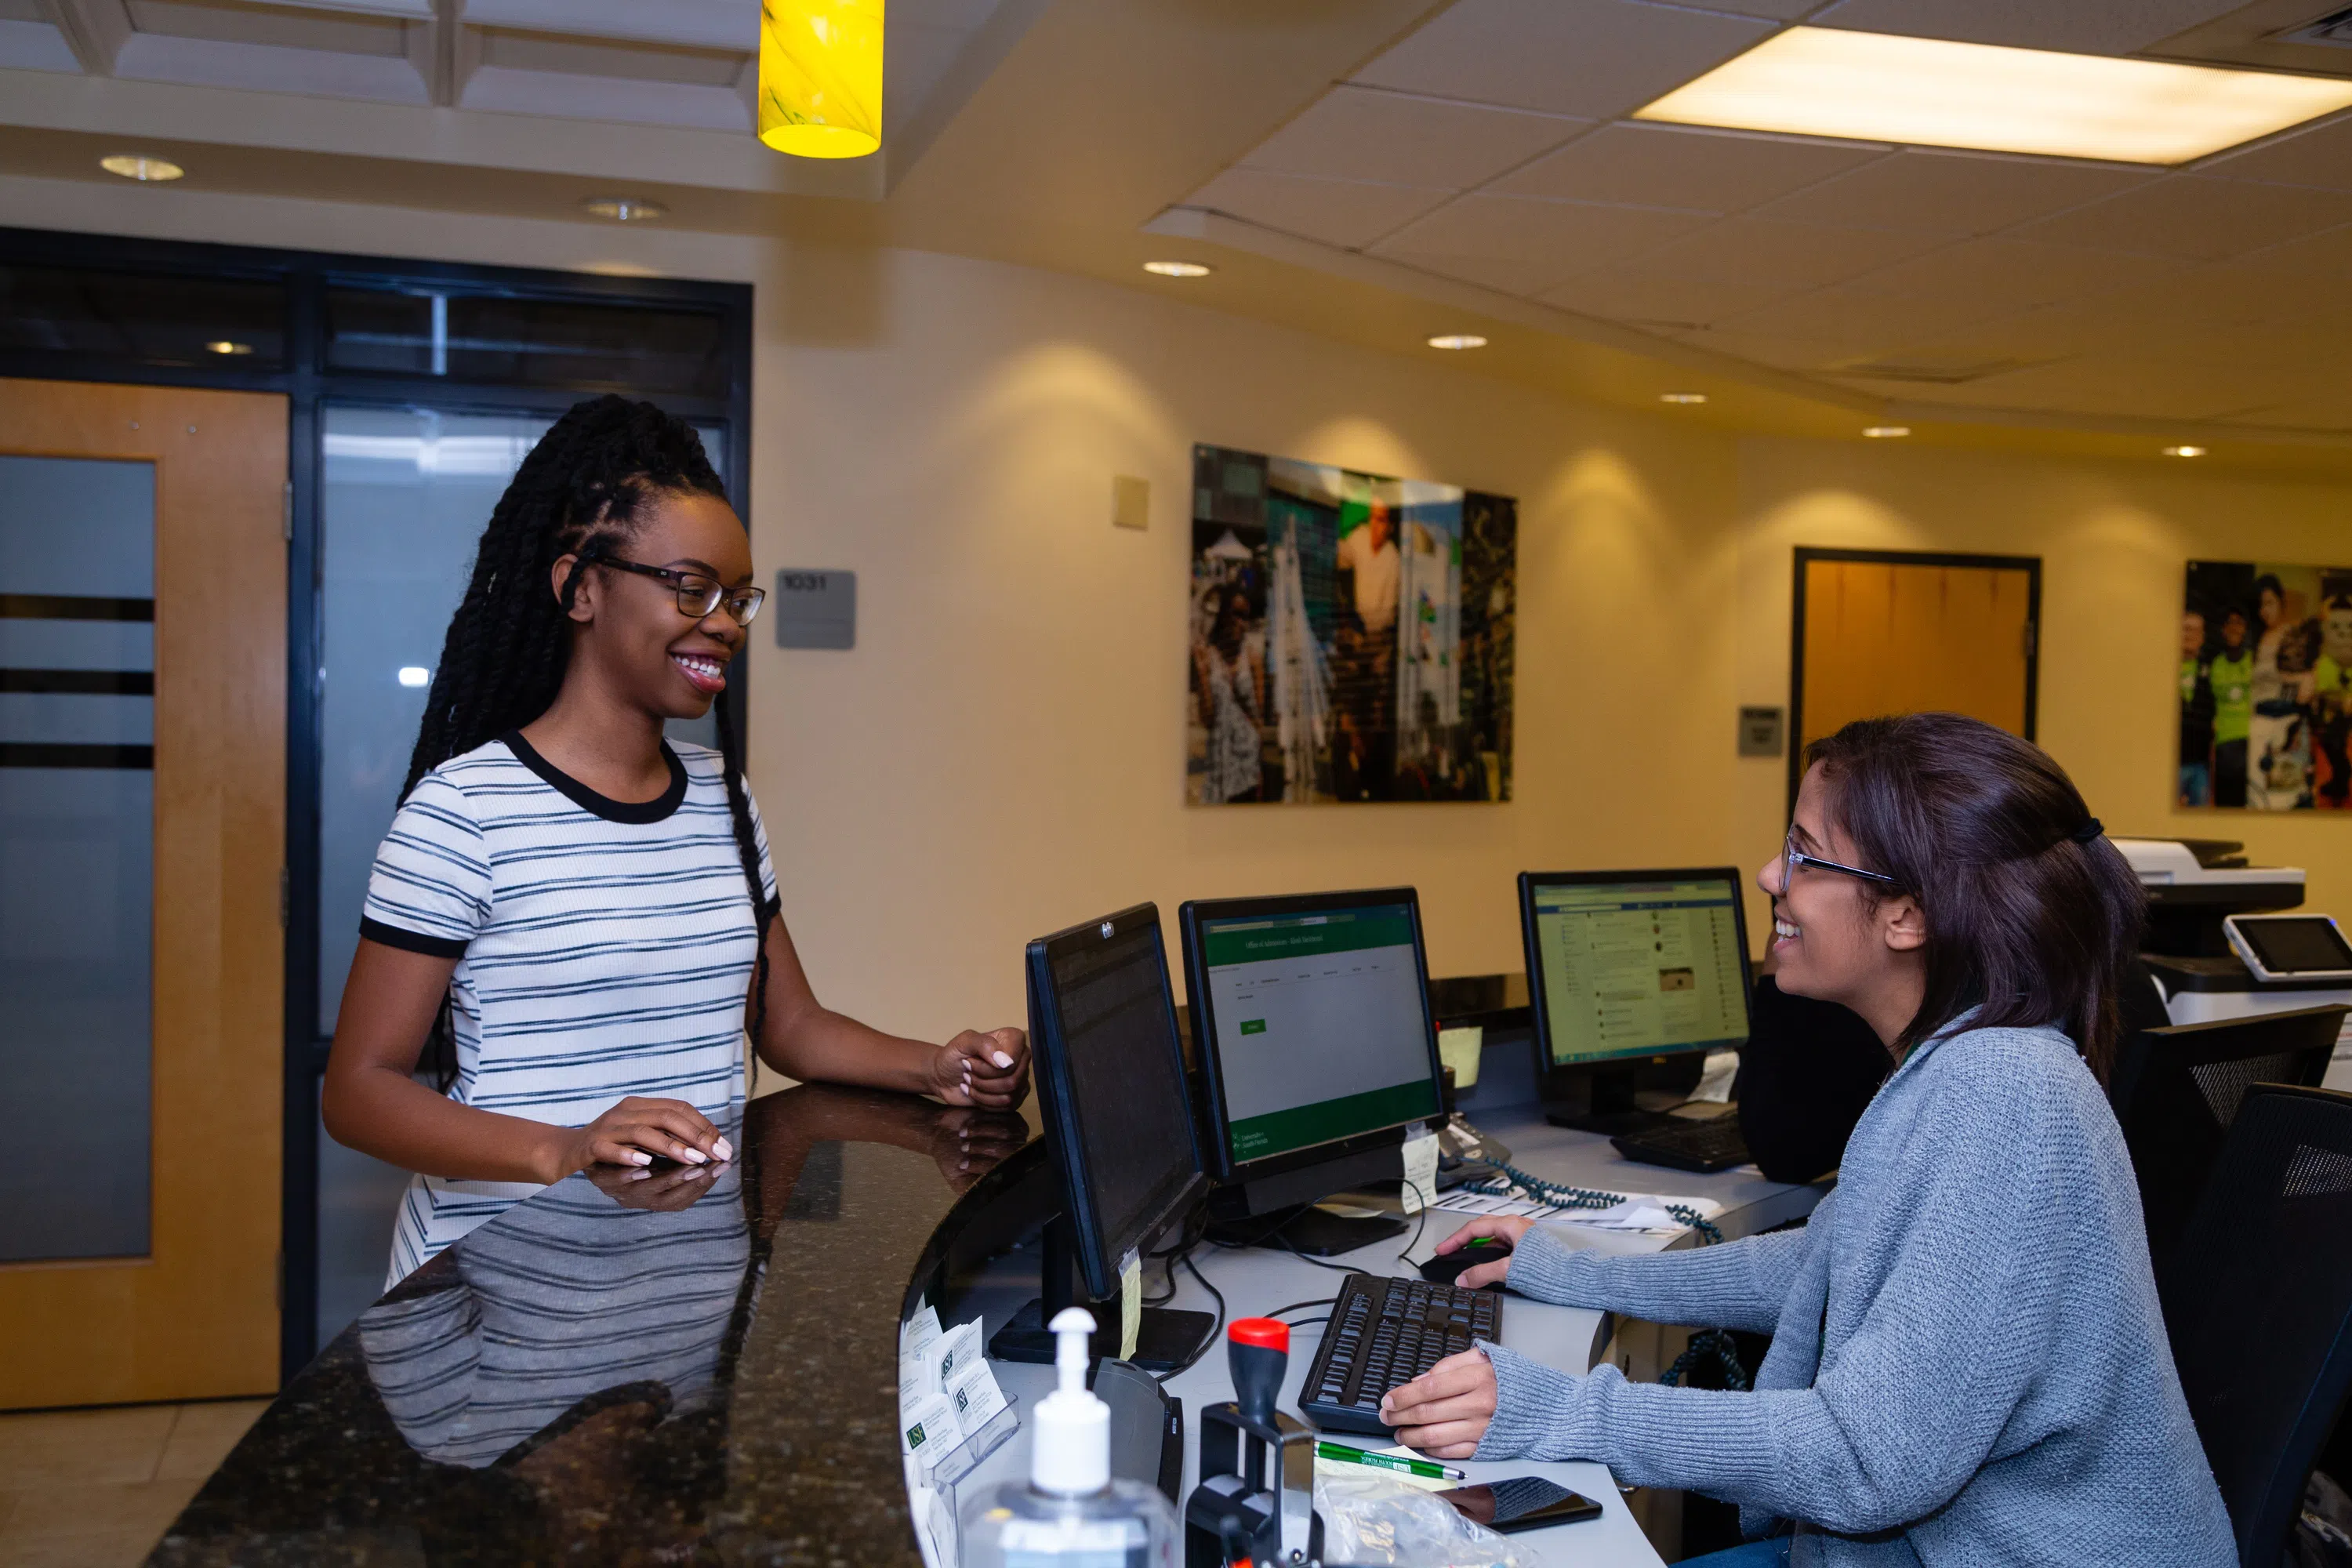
{"points": [[1968, 1365], [573, 922]]}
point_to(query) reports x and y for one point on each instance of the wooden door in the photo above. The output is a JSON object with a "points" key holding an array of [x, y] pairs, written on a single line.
{"points": [[142, 812], [1881, 632]]}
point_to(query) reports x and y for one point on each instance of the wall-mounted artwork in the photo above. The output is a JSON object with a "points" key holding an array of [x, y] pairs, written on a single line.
{"points": [[1350, 635], [2266, 687]]}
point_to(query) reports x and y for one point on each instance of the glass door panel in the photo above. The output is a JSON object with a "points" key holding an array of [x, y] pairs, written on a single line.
{"points": [[77, 852]]}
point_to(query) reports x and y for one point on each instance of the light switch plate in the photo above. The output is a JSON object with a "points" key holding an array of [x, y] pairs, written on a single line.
{"points": [[1130, 501], [1760, 732]]}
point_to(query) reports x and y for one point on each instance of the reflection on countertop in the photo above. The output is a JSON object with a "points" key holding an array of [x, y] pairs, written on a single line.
{"points": [[689, 1366]]}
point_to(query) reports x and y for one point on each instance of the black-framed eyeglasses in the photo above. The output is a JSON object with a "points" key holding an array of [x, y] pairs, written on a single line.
{"points": [[698, 596], [1793, 859]]}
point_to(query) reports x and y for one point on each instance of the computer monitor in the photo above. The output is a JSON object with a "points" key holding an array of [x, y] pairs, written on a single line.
{"points": [[1632, 977], [1317, 1052], [1110, 1083]]}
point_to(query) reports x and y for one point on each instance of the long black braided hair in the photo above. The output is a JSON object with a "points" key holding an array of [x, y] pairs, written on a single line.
{"points": [[581, 491]]}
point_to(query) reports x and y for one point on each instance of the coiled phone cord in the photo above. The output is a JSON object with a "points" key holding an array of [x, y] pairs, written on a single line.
{"points": [[1708, 1343]]}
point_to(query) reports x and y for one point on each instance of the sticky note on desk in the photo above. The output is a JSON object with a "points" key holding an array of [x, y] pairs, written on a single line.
{"points": [[1130, 1304], [1459, 1048]]}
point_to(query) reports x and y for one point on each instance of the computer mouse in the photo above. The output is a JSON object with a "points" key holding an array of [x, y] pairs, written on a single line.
{"points": [[1446, 1268]]}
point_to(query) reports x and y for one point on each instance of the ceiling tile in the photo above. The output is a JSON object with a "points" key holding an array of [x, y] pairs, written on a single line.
{"points": [[2193, 217], [2329, 411], [1523, 279], [1953, 194], [2321, 156], [1772, 252], [2083, 26], [1677, 167], [1349, 213], [1777, 352], [2018, 274], [1632, 292], [1847, 311], [1364, 133], [1592, 58], [1564, 237]]}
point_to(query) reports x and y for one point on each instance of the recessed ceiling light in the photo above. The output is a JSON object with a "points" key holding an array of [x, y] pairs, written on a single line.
{"points": [[1457, 340], [1875, 86], [140, 167], [1179, 269], [1682, 397], [1885, 432], [625, 209], [223, 346], [2184, 451]]}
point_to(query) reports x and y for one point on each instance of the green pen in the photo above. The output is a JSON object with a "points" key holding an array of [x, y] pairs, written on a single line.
{"points": [[1429, 1469]]}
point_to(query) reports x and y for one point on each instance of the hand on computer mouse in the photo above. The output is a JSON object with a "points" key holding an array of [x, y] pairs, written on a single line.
{"points": [[1487, 1231]]}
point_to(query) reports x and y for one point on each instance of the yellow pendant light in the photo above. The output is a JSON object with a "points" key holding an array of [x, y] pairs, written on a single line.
{"points": [[821, 77]]}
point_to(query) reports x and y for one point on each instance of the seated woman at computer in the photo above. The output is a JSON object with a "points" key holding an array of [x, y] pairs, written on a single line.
{"points": [[1967, 1363], [576, 918]]}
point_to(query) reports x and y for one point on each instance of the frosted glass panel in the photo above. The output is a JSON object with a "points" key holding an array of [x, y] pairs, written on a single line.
{"points": [[77, 852], [405, 494]]}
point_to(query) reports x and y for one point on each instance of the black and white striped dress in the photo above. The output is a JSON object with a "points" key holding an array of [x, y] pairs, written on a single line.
{"points": [[603, 948]]}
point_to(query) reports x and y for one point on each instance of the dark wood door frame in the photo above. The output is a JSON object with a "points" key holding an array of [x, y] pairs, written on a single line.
{"points": [[1807, 554]]}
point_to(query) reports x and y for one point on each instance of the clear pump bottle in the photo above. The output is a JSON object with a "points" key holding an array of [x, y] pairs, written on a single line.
{"points": [[1070, 1512]]}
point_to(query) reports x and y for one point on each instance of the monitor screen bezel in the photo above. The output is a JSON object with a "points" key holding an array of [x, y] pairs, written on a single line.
{"points": [[1216, 1136], [1539, 1004], [1098, 1255]]}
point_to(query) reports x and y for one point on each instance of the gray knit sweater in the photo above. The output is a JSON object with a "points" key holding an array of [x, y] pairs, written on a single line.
{"points": [[1968, 1363]]}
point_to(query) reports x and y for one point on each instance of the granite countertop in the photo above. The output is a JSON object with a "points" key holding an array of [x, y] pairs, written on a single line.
{"points": [[693, 1367]]}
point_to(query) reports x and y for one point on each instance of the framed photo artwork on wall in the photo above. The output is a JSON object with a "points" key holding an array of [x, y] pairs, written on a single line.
{"points": [[2265, 686], [1350, 635]]}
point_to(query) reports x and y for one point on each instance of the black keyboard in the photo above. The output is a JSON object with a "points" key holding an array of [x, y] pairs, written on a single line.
{"points": [[1384, 1332], [1689, 1144]]}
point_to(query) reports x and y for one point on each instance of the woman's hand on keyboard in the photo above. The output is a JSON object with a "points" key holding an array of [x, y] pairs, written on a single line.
{"points": [[1444, 1411], [1506, 1230]]}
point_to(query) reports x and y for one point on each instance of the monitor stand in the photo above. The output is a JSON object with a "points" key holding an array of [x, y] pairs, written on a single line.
{"points": [[1304, 1229], [1614, 1098], [1167, 1339]]}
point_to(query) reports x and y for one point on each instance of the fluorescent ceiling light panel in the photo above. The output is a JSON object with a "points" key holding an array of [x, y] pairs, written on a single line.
{"points": [[1927, 92]]}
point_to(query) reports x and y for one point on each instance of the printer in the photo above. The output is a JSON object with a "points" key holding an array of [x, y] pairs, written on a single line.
{"points": [[2192, 884]]}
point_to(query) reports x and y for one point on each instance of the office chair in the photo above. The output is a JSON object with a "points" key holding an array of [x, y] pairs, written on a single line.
{"points": [[2259, 1301], [2176, 1091]]}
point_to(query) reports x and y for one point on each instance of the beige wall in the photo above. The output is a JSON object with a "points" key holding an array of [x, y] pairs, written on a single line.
{"points": [[2113, 540], [1003, 752]]}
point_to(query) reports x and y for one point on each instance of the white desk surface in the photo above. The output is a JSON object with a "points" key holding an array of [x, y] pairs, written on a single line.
{"points": [[1255, 1280]]}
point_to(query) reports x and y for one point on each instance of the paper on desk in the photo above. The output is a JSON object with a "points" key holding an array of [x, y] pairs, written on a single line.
{"points": [[1644, 1212], [1715, 1078], [920, 1331], [1341, 1468], [1420, 1172], [1130, 1304]]}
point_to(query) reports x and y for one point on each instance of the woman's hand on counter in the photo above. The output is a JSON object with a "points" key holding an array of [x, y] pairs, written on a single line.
{"points": [[632, 1133], [987, 1070], [1444, 1411]]}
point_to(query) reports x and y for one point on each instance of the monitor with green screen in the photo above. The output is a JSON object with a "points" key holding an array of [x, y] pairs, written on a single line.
{"points": [[1321, 1026], [1639, 968]]}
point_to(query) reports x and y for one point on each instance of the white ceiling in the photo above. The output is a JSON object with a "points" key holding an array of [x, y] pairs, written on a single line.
{"points": [[684, 63], [1490, 147]]}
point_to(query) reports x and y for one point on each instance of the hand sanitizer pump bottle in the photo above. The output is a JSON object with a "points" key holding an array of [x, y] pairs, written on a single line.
{"points": [[1070, 1512]]}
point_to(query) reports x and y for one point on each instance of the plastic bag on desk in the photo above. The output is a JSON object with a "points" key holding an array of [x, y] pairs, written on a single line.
{"points": [[1375, 1521]]}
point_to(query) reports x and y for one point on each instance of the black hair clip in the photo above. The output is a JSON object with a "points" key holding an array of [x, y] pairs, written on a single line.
{"points": [[2088, 833]]}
